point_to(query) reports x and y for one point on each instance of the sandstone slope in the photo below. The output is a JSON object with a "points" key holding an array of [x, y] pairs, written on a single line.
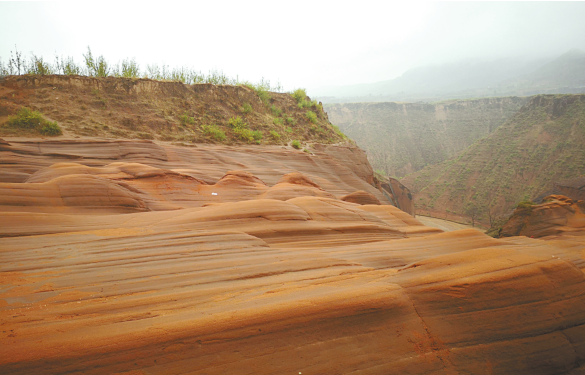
{"points": [[118, 258]]}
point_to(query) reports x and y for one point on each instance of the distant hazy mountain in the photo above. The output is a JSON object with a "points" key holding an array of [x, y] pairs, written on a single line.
{"points": [[568, 70], [503, 77]]}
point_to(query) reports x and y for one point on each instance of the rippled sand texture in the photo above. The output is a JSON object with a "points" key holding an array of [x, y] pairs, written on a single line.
{"points": [[131, 265]]}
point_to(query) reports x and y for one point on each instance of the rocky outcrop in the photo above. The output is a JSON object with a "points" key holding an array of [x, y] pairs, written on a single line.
{"points": [[398, 194], [558, 216], [352, 156], [223, 288], [554, 105], [360, 197], [172, 177]]}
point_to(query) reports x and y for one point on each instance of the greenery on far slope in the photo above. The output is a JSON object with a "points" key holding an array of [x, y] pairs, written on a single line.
{"points": [[401, 138], [542, 143]]}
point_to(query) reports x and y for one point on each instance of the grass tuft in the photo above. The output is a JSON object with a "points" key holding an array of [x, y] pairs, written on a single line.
{"points": [[28, 119], [275, 111], [237, 123], [246, 108], [98, 66], [51, 129], [311, 116], [525, 204], [299, 94], [186, 119], [214, 132], [241, 130]]}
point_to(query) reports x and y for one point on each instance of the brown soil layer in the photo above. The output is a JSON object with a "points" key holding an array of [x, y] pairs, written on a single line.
{"points": [[146, 109]]}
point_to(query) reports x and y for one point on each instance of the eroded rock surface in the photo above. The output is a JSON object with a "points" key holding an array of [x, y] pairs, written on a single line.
{"points": [[557, 217], [118, 257], [360, 197]]}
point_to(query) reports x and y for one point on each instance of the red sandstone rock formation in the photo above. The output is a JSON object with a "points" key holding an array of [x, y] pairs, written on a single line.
{"points": [[398, 194], [117, 257], [557, 217], [360, 197]]}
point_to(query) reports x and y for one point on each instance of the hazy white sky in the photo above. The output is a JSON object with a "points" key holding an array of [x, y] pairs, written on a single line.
{"points": [[301, 43]]}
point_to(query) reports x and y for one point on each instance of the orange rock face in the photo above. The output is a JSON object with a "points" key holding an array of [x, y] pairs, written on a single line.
{"points": [[557, 217], [398, 194], [360, 197], [139, 258]]}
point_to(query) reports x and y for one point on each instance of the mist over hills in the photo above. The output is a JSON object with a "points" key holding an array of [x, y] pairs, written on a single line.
{"points": [[568, 70], [471, 79]]}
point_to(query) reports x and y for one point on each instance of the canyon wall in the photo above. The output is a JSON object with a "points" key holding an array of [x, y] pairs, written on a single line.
{"points": [[401, 138], [538, 146]]}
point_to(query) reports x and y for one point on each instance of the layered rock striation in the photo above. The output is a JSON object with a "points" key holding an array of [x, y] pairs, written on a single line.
{"points": [[139, 258], [557, 217]]}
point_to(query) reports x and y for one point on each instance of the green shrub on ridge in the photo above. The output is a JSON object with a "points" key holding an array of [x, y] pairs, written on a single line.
{"points": [[525, 204], [299, 95]]}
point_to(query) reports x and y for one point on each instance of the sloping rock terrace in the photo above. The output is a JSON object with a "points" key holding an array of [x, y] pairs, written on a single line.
{"points": [[141, 258]]}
